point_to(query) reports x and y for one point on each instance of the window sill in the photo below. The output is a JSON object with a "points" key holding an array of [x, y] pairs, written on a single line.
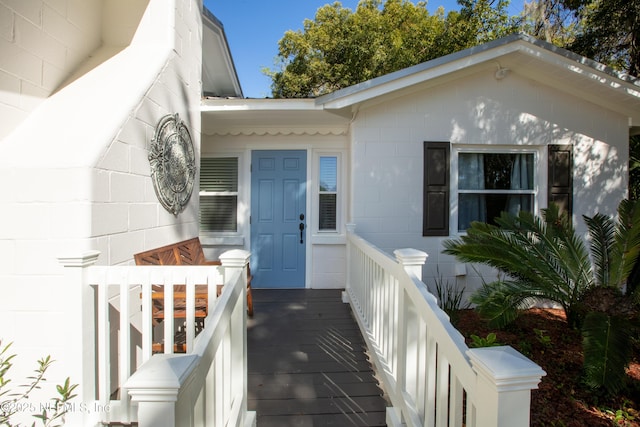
{"points": [[221, 240], [329, 239]]}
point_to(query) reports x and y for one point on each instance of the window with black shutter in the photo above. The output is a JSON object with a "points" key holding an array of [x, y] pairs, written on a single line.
{"points": [[490, 181]]}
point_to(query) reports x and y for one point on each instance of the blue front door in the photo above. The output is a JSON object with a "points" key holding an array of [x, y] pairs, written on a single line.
{"points": [[278, 218]]}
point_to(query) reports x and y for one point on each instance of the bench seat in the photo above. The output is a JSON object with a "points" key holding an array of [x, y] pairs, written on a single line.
{"points": [[187, 252]]}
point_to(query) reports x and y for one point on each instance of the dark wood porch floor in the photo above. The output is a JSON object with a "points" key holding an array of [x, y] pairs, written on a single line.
{"points": [[308, 364]]}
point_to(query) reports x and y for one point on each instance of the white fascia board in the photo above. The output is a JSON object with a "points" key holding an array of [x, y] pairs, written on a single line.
{"points": [[585, 67], [227, 105], [547, 53], [408, 77]]}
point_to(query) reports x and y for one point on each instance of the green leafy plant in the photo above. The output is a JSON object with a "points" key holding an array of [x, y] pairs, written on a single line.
{"points": [[450, 298], [544, 259], [16, 400], [489, 341], [542, 338], [525, 348]]}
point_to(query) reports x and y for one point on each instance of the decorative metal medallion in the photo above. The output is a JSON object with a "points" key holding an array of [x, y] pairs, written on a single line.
{"points": [[172, 161]]}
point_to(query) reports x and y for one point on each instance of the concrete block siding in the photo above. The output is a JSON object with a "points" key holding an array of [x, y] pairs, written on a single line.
{"points": [[75, 162], [388, 143], [41, 43]]}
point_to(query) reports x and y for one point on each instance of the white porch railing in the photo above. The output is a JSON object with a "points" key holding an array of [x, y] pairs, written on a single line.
{"points": [[431, 376], [204, 386]]}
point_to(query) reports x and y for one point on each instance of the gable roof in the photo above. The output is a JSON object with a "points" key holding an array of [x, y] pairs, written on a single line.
{"points": [[518, 53], [219, 77]]}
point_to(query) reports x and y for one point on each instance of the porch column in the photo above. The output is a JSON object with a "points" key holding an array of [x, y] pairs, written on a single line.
{"points": [[505, 379], [81, 325]]}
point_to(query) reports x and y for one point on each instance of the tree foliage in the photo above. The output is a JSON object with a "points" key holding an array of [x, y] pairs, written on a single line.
{"points": [[554, 21], [341, 47], [610, 33]]}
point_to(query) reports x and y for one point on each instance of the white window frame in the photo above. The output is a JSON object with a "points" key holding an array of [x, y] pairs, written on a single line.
{"points": [[328, 236], [538, 175], [228, 237]]}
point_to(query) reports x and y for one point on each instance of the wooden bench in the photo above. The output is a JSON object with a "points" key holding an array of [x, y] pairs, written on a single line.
{"points": [[187, 252]]}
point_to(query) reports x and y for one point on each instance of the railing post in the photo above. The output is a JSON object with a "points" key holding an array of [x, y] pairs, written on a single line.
{"points": [[232, 260], [81, 325], [155, 386], [235, 258], [505, 379], [412, 260]]}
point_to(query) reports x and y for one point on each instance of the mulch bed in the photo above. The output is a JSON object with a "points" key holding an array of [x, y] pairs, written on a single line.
{"points": [[562, 400]]}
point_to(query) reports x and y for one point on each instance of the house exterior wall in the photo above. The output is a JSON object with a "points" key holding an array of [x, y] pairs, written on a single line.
{"points": [[325, 263], [80, 178], [387, 152], [42, 43]]}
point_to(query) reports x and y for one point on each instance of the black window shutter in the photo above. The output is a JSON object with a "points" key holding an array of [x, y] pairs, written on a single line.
{"points": [[435, 221], [561, 177]]}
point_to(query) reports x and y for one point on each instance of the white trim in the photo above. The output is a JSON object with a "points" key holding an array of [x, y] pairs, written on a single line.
{"points": [[229, 238], [329, 236], [540, 172]]}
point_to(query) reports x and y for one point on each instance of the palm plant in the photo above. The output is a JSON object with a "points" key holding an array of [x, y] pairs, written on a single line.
{"points": [[544, 259]]}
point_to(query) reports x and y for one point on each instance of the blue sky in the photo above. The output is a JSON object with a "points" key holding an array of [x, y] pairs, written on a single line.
{"points": [[253, 28]]}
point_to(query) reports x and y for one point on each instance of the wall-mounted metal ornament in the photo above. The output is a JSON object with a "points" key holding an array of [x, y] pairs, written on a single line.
{"points": [[172, 160]]}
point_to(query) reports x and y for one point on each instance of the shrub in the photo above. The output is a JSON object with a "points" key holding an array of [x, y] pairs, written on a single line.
{"points": [[13, 401], [544, 259]]}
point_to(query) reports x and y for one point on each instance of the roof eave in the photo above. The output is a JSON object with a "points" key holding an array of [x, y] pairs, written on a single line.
{"points": [[466, 59], [219, 75]]}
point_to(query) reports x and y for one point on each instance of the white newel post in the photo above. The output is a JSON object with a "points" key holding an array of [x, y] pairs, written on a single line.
{"points": [[235, 258], [81, 326], [231, 261], [505, 379], [155, 386], [412, 260]]}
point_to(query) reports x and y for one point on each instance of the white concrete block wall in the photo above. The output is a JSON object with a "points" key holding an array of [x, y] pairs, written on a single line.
{"points": [[41, 43], [387, 148], [78, 175], [329, 267]]}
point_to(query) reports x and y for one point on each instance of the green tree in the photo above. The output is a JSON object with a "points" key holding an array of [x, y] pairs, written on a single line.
{"points": [[340, 47], [554, 21], [610, 33], [486, 20]]}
